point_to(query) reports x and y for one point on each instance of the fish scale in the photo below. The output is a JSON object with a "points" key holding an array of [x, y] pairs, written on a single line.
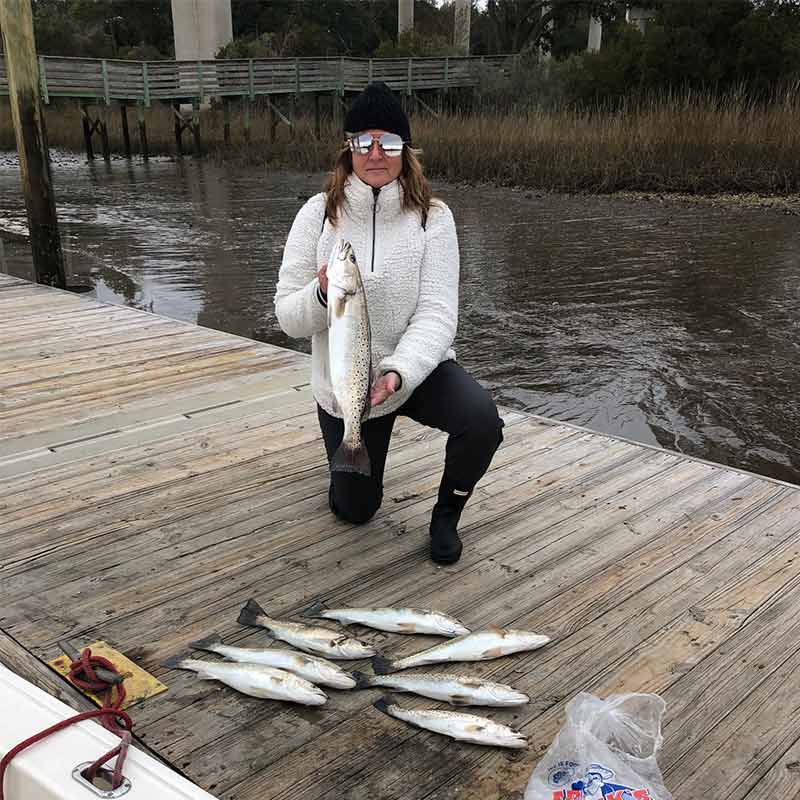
{"points": [[349, 356]]}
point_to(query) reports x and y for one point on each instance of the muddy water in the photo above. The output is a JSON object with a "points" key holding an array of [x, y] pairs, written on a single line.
{"points": [[665, 323]]}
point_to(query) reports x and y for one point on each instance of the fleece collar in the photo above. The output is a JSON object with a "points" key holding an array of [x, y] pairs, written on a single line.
{"points": [[361, 196]]}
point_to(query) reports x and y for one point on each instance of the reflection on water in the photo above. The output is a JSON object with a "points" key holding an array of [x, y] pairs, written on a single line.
{"points": [[666, 324]]}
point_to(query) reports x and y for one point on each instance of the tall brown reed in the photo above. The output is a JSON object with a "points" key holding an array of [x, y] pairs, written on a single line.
{"points": [[672, 142]]}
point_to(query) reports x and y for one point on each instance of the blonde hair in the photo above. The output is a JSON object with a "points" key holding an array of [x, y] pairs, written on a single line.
{"points": [[417, 194]]}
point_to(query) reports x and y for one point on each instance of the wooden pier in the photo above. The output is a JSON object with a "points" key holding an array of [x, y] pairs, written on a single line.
{"points": [[155, 474], [106, 83], [114, 80]]}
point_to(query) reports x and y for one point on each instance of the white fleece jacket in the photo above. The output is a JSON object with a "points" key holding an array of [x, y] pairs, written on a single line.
{"points": [[410, 277]]}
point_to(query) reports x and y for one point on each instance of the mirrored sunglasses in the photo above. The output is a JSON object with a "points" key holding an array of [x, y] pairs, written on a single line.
{"points": [[390, 144]]}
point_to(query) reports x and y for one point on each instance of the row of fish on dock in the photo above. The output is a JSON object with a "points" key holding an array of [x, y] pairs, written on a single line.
{"points": [[289, 675]]}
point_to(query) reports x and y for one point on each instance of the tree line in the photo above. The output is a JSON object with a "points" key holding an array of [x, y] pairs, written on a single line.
{"points": [[713, 43]]}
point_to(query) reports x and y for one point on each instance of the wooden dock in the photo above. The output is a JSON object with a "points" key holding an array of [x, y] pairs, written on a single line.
{"points": [[115, 80], [154, 475]]}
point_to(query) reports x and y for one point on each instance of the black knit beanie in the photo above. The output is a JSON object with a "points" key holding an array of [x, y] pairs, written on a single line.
{"points": [[376, 107]]}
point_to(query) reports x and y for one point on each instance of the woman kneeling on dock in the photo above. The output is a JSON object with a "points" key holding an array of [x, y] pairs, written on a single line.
{"points": [[405, 243]]}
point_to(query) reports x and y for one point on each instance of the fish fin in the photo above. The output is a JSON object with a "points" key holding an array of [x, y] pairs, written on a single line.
{"points": [[494, 652], [383, 703], [207, 643], [250, 612], [176, 662], [496, 629], [351, 459], [474, 728], [459, 700], [315, 610], [362, 681], [382, 666], [407, 626]]}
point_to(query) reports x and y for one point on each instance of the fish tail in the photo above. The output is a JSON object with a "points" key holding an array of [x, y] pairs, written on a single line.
{"points": [[206, 644], [352, 459], [177, 662], [382, 666], [362, 681], [383, 703], [315, 610], [250, 613]]}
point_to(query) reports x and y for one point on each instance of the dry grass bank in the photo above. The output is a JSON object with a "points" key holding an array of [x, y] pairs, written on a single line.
{"points": [[693, 144]]}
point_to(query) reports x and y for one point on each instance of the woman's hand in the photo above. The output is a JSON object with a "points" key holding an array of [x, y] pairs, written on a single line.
{"points": [[384, 387], [322, 276]]}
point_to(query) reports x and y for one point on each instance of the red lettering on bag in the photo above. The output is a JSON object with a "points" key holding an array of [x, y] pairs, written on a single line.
{"points": [[641, 794], [574, 794], [615, 795]]}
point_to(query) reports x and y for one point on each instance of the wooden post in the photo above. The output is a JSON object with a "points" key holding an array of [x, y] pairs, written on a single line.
{"points": [[317, 125], [104, 135], [198, 147], [22, 70], [176, 111], [271, 120], [246, 102], [87, 132], [142, 132], [337, 109], [145, 85], [126, 136], [226, 112]]}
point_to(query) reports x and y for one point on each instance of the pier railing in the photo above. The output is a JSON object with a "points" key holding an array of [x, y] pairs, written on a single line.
{"points": [[110, 80]]}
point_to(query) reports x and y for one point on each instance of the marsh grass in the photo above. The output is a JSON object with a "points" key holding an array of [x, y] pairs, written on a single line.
{"points": [[692, 143]]}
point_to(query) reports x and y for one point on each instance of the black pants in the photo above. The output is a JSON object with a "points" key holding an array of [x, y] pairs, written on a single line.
{"points": [[451, 400]]}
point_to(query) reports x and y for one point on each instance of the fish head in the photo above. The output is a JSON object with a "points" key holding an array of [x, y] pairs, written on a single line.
{"points": [[343, 269], [448, 626], [529, 639]]}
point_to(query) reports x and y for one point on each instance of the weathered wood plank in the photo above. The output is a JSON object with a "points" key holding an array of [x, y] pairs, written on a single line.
{"points": [[650, 570]]}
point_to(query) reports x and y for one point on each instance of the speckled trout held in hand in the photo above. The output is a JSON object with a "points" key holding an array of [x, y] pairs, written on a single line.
{"points": [[309, 638], [350, 356]]}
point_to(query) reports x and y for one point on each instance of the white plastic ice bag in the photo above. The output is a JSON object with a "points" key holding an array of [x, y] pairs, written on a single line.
{"points": [[605, 751]]}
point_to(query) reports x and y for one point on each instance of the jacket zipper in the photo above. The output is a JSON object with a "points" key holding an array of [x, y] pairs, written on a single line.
{"points": [[375, 193]]}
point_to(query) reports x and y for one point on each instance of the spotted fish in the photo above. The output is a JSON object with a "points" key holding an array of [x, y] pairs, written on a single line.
{"points": [[478, 646], [309, 638], [458, 690], [456, 725], [312, 668], [256, 680], [393, 620], [349, 356]]}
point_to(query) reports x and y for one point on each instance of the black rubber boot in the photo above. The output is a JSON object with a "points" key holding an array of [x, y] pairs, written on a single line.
{"points": [[445, 541]]}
